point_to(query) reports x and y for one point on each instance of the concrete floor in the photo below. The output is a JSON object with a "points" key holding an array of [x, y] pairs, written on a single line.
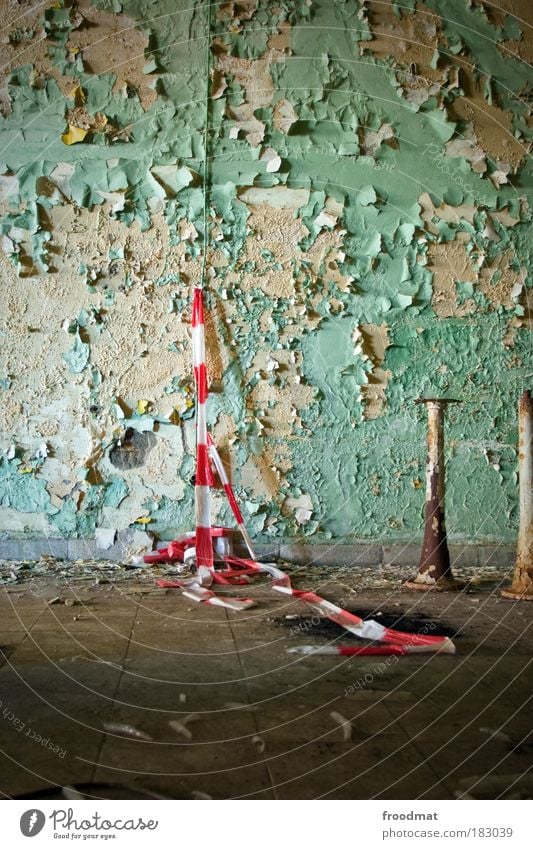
{"points": [[430, 727]]}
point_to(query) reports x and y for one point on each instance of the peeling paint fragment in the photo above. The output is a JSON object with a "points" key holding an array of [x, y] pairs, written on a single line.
{"points": [[374, 139], [272, 159], [284, 115], [450, 263], [77, 357]]}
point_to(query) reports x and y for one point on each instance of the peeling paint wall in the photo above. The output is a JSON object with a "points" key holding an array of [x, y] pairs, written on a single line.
{"points": [[369, 211]]}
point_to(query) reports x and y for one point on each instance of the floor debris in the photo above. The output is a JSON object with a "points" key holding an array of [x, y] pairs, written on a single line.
{"points": [[259, 743], [519, 747], [496, 734], [94, 660], [344, 723], [73, 573], [514, 786], [181, 726], [127, 731]]}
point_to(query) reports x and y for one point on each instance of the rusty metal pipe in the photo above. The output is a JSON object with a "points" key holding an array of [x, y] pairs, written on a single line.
{"points": [[522, 587], [434, 569]]}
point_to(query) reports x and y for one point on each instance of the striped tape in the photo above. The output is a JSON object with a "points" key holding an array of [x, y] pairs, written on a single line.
{"points": [[445, 646], [239, 570], [230, 495], [399, 642], [204, 475]]}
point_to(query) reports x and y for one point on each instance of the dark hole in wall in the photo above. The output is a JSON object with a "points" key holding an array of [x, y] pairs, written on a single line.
{"points": [[131, 450]]}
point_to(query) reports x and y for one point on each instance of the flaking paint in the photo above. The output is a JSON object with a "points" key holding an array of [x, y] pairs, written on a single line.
{"points": [[356, 181]]}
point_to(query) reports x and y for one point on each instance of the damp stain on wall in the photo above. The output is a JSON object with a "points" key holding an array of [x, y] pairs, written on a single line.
{"points": [[369, 192]]}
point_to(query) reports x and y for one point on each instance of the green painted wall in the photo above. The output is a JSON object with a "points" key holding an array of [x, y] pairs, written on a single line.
{"points": [[369, 192]]}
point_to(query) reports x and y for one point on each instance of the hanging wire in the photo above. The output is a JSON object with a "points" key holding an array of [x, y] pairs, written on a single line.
{"points": [[206, 142]]}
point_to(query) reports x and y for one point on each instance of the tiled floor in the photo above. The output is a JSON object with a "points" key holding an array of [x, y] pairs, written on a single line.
{"points": [[259, 718]]}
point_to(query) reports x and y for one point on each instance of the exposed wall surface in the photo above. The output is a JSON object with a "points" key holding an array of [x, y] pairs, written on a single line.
{"points": [[369, 243]]}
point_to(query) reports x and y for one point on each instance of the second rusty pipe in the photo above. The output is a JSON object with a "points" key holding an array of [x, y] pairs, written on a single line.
{"points": [[434, 569], [522, 586]]}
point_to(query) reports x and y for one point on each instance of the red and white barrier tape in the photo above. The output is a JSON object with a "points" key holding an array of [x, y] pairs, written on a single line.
{"points": [[199, 547], [198, 589], [446, 647], [204, 475], [230, 495]]}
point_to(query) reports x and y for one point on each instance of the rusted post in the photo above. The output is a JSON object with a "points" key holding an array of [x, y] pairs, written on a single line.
{"points": [[522, 587], [434, 569]]}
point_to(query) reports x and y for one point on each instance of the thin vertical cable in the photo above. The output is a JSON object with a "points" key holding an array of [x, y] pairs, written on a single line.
{"points": [[206, 142]]}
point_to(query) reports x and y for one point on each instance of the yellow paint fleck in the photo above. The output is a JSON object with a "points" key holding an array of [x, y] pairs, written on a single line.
{"points": [[78, 95], [143, 406], [73, 135]]}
